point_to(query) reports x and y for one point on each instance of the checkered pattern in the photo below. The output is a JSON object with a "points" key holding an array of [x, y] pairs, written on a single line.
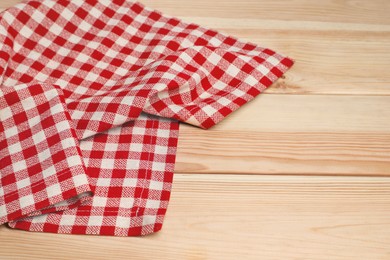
{"points": [[41, 162], [91, 93], [130, 171]]}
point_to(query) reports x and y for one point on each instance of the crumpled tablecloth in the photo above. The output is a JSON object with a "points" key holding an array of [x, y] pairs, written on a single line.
{"points": [[91, 95]]}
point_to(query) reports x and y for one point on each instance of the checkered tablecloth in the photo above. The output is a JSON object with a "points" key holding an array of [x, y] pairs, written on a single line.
{"points": [[91, 95]]}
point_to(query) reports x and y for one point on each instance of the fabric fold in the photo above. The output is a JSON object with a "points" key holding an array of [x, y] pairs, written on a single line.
{"points": [[42, 169], [208, 83]]}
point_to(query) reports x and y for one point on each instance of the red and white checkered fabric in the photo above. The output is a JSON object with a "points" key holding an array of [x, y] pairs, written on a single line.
{"points": [[91, 93]]}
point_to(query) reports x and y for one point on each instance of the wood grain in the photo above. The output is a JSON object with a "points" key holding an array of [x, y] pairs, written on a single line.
{"points": [[357, 11], [294, 134], [234, 217]]}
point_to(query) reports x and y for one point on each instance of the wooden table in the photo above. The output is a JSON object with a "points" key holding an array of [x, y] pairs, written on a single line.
{"points": [[302, 172]]}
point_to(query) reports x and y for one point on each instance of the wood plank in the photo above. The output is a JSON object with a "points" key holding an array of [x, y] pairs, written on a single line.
{"points": [[328, 62], [294, 134], [346, 51], [230, 217], [368, 12]]}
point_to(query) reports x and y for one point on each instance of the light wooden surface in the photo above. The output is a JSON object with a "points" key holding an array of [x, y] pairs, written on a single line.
{"points": [[294, 134], [242, 217], [329, 116]]}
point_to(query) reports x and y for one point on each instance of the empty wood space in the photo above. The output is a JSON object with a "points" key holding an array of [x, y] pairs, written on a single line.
{"points": [[301, 172]]}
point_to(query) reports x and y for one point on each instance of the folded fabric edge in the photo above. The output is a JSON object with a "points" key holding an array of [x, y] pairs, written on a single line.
{"points": [[146, 224], [254, 84], [42, 168], [74, 197]]}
